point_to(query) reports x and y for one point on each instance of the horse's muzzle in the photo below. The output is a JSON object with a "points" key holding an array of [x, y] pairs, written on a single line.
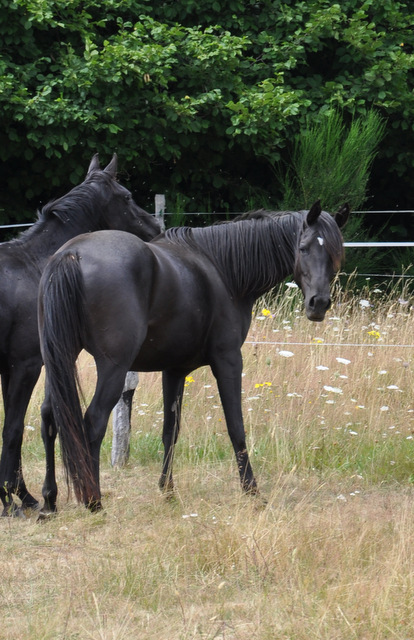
{"points": [[317, 306]]}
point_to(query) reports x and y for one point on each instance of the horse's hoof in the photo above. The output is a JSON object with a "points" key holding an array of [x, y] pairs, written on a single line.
{"points": [[168, 495], [13, 511], [251, 489], [166, 483], [94, 506], [45, 515], [260, 502], [167, 490]]}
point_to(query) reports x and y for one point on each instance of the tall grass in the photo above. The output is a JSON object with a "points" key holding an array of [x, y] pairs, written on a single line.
{"points": [[325, 552]]}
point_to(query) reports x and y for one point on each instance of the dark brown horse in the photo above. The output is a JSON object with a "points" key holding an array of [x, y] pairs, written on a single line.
{"points": [[174, 304], [100, 202]]}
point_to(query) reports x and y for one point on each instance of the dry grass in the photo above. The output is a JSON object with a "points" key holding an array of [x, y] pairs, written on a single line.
{"points": [[325, 554]]}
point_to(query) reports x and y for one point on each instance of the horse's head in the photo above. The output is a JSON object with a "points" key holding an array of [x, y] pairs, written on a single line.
{"points": [[115, 202], [318, 257]]}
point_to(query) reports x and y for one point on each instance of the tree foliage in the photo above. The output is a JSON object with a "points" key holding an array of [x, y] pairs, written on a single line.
{"points": [[200, 100], [332, 161]]}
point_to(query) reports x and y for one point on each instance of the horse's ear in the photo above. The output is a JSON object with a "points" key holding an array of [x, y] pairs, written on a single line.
{"points": [[314, 213], [112, 166], [342, 215], [94, 164]]}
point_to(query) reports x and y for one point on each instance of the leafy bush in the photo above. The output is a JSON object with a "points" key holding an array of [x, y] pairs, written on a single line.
{"points": [[200, 102]]}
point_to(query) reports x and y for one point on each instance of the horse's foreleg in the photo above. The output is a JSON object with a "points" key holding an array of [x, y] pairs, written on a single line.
{"points": [[17, 390], [172, 387], [49, 432], [227, 372]]}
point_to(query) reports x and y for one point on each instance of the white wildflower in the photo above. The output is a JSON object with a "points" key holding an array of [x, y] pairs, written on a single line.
{"points": [[343, 360], [333, 389]]}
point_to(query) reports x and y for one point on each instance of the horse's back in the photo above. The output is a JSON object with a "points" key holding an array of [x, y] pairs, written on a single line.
{"points": [[116, 271], [153, 305]]}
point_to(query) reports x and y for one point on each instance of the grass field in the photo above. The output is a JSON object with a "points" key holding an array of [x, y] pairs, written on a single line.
{"points": [[325, 553]]}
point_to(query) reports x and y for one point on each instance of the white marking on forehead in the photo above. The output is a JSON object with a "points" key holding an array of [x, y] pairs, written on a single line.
{"points": [[320, 240]]}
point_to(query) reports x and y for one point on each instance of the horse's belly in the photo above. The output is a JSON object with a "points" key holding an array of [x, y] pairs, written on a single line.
{"points": [[176, 350]]}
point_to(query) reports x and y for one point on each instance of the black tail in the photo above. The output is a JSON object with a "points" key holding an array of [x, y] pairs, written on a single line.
{"points": [[62, 325]]}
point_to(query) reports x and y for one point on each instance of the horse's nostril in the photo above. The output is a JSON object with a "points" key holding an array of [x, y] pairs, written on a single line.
{"points": [[319, 302]]}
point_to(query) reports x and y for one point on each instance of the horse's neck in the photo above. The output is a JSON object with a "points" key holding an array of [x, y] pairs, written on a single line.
{"points": [[272, 263], [48, 237]]}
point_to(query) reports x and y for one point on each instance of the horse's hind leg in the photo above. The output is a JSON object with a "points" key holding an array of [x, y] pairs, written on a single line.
{"points": [[49, 433], [108, 391], [173, 387]]}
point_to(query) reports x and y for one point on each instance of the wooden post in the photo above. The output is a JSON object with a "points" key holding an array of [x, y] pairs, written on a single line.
{"points": [[121, 421], [160, 209]]}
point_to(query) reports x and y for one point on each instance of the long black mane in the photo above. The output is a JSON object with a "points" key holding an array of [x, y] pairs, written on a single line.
{"points": [[78, 205], [75, 208], [257, 250]]}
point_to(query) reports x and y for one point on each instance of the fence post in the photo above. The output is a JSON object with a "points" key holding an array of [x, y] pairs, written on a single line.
{"points": [[121, 421], [160, 209]]}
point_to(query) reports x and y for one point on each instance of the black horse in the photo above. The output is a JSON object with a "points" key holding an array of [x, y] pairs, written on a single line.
{"points": [[100, 202], [174, 304]]}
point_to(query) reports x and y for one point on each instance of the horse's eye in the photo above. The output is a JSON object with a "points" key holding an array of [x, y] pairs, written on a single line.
{"points": [[304, 250]]}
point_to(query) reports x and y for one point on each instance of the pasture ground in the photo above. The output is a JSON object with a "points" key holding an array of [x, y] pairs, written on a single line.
{"points": [[325, 553]]}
